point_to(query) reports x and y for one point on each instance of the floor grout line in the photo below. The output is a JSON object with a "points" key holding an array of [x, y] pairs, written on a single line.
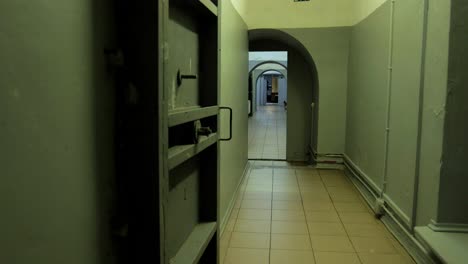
{"points": [[275, 171]]}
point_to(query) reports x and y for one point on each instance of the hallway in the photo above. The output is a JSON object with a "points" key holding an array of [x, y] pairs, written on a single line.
{"points": [[155, 131], [267, 133], [302, 215]]}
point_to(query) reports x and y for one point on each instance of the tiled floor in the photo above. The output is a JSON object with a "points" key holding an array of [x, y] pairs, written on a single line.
{"points": [[267, 133], [301, 215]]}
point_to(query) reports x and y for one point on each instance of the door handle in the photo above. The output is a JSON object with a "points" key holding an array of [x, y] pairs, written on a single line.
{"points": [[230, 123]]}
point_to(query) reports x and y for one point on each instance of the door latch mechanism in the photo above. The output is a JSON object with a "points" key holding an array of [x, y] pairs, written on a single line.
{"points": [[200, 131]]}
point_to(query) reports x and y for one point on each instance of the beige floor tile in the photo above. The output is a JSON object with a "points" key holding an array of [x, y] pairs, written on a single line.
{"points": [[399, 248], [288, 215], [383, 259], [261, 176], [286, 188], [224, 240], [326, 229], [256, 204], [306, 171], [286, 196], [316, 197], [351, 207], [365, 230], [263, 163], [337, 258], [252, 226], [357, 218], [327, 217], [222, 254], [307, 175], [249, 240], [260, 181], [331, 244], [333, 180], [230, 225], [257, 195], [287, 205], [345, 198], [283, 171], [254, 214], [238, 204], [259, 188], [246, 256], [317, 186], [291, 256], [289, 180], [373, 245], [330, 172], [291, 242], [281, 163], [262, 171], [318, 206], [283, 227], [349, 190]]}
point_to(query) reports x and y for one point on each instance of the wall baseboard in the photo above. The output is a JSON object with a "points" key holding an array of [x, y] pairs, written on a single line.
{"points": [[448, 227], [397, 227], [327, 161], [225, 218]]}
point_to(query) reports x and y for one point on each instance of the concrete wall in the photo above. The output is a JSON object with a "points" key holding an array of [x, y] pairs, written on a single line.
{"points": [[233, 93], [283, 90], [404, 108], [329, 48], [318, 13], [366, 109], [369, 94], [313, 14], [56, 127], [363, 8], [418, 87], [300, 88], [454, 175], [433, 110]]}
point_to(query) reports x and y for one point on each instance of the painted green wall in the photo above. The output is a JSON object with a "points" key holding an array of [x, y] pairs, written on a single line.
{"points": [[454, 175], [290, 14], [367, 100], [56, 127], [329, 48], [366, 108], [404, 108], [233, 92], [426, 97], [433, 111], [300, 87]]}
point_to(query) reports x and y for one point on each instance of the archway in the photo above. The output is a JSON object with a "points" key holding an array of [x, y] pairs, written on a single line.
{"points": [[254, 72], [261, 63], [259, 90], [303, 90]]}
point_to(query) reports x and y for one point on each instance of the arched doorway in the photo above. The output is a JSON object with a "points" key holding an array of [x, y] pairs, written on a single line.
{"points": [[303, 91], [254, 73], [261, 95]]}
